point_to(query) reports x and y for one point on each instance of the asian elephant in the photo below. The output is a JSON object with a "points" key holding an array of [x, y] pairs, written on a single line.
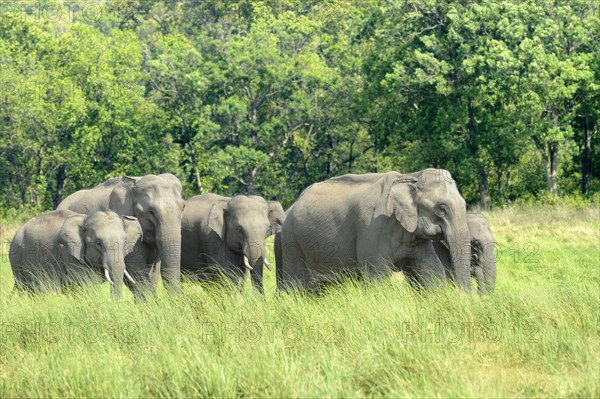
{"points": [[62, 247], [374, 224], [227, 235], [483, 262], [157, 203]]}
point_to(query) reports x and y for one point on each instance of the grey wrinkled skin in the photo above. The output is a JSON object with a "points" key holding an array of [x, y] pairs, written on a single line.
{"points": [[483, 261], [371, 225], [61, 247], [157, 203], [217, 232]]}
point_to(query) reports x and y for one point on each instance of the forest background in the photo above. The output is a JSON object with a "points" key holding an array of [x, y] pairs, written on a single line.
{"points": [[267, 97]]}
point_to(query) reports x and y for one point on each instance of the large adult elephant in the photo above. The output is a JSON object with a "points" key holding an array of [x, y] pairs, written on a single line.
{"points": [[483, 261], [157, 203], [61, 247], [374, 224], [227, 235]]}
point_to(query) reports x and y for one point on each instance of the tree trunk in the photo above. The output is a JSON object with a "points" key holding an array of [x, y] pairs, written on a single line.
{"points": [[351, 157], [586, 159], [553, 181], [328, 163], [188, 136], [250, 189], [60, 184], [249, 182], [549, 153], [195, 167], [484, 192], [254, 131], [18, 177], [38, 178], [500, 184]]}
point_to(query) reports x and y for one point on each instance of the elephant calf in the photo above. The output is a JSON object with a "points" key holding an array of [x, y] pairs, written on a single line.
{"points": [[61, 247], [229, 233], [483, 262]]}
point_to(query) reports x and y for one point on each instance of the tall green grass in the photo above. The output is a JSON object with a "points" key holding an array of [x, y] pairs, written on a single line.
{"points": [[536, 336]]}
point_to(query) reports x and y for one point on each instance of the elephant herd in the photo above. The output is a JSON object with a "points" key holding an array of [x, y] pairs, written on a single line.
{"points": [[134, 231]]}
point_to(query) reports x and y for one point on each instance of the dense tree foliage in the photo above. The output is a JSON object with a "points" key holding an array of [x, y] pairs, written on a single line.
{"points": [[240, 96]]}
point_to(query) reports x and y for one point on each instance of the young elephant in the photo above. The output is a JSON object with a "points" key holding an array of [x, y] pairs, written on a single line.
{"points": [[229, 233], [61, 247], [483, 262]]}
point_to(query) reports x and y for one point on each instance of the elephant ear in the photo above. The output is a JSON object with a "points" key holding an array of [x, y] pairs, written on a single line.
{"points": [[216, 219], [399, 200], [276, 217], [133, 230], [121, 197], [72, 235]]}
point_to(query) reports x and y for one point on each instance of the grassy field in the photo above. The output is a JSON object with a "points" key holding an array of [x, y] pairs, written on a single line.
{"points": [[538, 335]]}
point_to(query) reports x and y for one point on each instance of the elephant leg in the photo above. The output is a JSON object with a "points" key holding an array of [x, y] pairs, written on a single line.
{"points": [[443, 254], [148, 256], [278, 260], [23, 288], [412, 277], [238, 278], [142, 286], [241, 280], [426, 269], [229, 270], [141, 272], [295, 274], [154, 274], [241, 284], [375, 272]]}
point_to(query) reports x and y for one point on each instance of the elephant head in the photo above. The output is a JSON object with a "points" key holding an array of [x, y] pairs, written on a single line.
{"points": [[102, 239], [428, 204], [244, 223], [157, 203]]}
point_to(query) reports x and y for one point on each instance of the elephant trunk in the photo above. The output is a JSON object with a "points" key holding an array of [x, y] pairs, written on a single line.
{"points": [[168, 243], [255, 254], [114, 271], [459, 244], [485, 271]]}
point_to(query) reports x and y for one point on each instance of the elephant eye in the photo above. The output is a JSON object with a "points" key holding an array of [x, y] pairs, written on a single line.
{"points": [[441, 210], [99, 243]]}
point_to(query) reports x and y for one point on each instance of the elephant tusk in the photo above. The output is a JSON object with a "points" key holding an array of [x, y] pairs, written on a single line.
{"points": [[267, 264], [247, 263], [107, 275], [129, 276]]}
